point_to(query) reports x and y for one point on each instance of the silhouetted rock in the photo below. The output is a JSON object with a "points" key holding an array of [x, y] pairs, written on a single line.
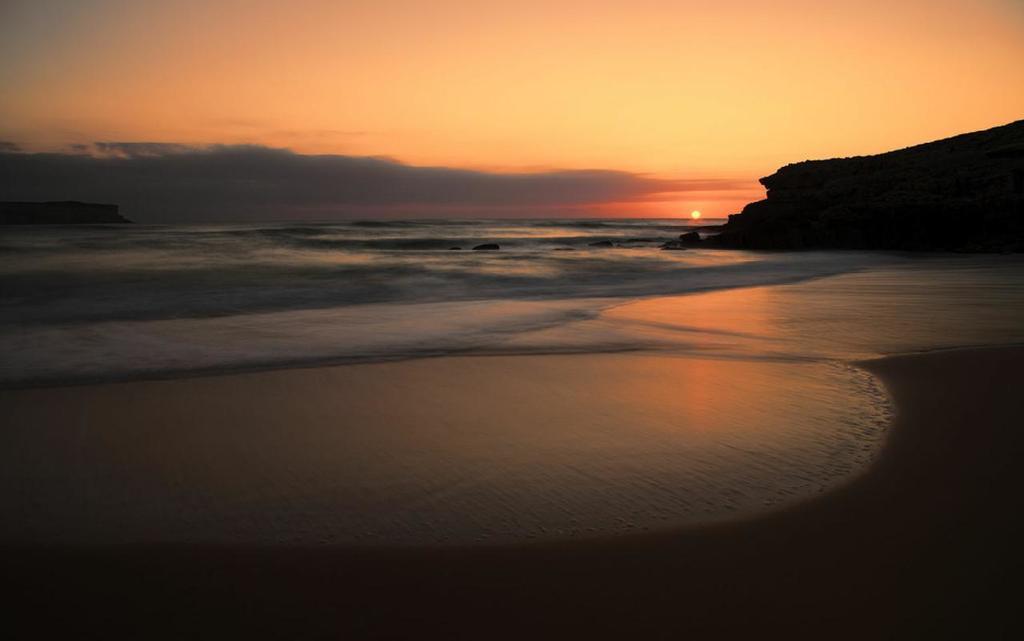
{"points": [[487, 247], [67, 212], [689, 238], [959, 194], [602, 243]]}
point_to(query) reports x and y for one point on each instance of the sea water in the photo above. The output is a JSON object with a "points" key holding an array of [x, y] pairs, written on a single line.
{"points": [[119, 302], [695, 385]]}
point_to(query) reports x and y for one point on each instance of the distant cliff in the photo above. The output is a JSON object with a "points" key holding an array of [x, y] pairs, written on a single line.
{"points": [[67, 212], [959, 194]]}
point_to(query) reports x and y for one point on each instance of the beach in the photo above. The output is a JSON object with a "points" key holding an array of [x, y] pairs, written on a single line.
{"points": [[809, 444], [924, 544], [433, 452]]}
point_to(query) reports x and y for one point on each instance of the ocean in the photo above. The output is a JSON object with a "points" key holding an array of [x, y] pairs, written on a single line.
{"points": [[83, 304]]}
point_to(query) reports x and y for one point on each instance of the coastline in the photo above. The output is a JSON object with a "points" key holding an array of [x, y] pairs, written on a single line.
{"points": [[924, 544]]}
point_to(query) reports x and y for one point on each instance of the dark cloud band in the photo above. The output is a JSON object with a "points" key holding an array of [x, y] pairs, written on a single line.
{"points": [[158, 182]]}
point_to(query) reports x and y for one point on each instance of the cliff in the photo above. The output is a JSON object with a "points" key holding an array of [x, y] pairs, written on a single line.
{"points": [[964, 193], [68, 212]]}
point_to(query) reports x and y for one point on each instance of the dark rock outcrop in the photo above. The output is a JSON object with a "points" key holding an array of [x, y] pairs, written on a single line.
{"points": [[964, 193], [487, 247], [67, 212], [601, 243], [690, 238]]}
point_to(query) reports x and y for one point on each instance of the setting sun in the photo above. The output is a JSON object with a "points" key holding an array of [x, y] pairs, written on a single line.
{"points": [[695, 214]]}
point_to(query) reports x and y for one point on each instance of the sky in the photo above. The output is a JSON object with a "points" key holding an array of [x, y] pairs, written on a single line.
{"points": [[554, 107]]}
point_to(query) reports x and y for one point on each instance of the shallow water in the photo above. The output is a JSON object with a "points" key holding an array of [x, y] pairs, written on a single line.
{"points": [[114, 305], [120, 302]]}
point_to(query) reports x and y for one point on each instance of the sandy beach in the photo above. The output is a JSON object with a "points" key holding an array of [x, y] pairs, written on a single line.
{"points": [[922, 545], [475, 450]]}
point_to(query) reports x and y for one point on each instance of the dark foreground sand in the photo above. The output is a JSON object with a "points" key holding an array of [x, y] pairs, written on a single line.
{"points": [[925, 545]]}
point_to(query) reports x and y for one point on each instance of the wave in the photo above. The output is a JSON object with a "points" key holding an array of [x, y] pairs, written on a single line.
{"points": [[107, 303], [359, 235], [218, 286]]}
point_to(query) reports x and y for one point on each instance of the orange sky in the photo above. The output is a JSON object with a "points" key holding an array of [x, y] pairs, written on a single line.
{"points": [[686, 89]]}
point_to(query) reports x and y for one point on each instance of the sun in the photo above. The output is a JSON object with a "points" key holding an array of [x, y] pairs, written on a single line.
{"points": [[695, 214]]}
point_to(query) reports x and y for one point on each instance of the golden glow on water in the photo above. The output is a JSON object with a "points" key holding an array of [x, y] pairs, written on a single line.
{"points": [[433, 451]]}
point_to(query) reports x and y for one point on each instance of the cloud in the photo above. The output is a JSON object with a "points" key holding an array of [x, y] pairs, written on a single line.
{"points": [[167, 182], [136, 149]]}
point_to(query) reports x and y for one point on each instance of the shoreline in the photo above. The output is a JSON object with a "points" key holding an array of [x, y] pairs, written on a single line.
{"points": [[923, 544], [54, 355], [445, 452], [241, 370]]}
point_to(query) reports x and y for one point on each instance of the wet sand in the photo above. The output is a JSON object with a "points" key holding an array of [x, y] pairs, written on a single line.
{"points": [[924, 545], [447, 451]]}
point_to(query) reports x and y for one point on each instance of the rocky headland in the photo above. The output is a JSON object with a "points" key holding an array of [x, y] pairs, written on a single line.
{"points": [[964, 193], [65, 212]]}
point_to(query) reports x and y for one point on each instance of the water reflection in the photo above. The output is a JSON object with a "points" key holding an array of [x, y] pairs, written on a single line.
{"points": [[915, 305], [435, 451]]}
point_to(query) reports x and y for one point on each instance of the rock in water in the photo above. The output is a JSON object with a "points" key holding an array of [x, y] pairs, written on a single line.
{"points": [[690, 238], [602, 243], [964, 193], [487, 247]]}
